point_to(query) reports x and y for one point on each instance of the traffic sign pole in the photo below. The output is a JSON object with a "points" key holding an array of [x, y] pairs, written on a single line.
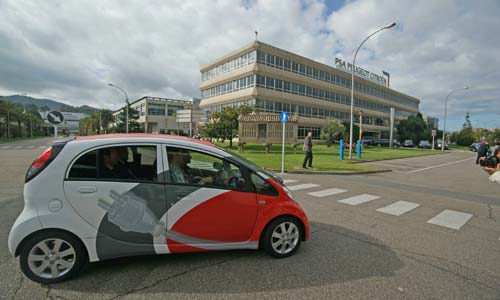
{"points": [[55, 131], [283, 151], [283, 119]]}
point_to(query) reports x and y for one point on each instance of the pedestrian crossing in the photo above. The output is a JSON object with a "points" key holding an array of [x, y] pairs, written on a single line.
{"points": [[447, 218], [22, 147]]}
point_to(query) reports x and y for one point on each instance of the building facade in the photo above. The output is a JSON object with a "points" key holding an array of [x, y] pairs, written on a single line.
{"points": [[159, 115], [274, 80], [432, 122]]}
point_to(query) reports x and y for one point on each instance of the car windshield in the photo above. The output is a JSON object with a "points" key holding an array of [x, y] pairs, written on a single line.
{"points": [[252, 165]]}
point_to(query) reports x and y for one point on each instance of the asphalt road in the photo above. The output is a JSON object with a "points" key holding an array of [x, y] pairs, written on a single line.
{"points": [[360, 248]]}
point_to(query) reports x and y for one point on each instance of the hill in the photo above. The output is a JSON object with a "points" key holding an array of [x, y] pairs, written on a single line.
{"points": [[49, 104]]}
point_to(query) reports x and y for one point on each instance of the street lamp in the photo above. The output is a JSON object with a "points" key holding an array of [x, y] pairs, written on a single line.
{"points": [[352, 82], [126, 101], [445, 106]]}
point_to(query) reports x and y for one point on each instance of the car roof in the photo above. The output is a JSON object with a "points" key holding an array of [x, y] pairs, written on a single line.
{"points": [[136, 136]]}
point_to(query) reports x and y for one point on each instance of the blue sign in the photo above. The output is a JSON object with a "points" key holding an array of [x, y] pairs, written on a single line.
{"points": [[284, 117]]}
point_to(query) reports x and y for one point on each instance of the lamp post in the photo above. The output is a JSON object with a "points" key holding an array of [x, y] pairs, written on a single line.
{"points": [[352, 82], [445, 107], [126, 101]]}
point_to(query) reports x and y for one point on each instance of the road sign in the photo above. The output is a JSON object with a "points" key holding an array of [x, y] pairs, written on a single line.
{"points": [[284, 117], [434, 132], [55, 117]]}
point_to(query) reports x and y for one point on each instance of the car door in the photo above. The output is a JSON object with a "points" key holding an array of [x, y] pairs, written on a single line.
{"points": [[209, 204], [120, 190]]}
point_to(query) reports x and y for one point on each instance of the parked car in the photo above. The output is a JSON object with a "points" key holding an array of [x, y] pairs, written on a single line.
{"points": [[474, 146], [408, 144], [386, 143], [424, 144], [101, 197], [368, 140], [439, 144]]}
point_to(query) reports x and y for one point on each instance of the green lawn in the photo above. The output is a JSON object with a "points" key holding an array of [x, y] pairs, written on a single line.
{"points": [[325, 158]]}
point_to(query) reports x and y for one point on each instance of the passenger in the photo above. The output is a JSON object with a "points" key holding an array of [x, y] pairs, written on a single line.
{"points": [[115, 165]]}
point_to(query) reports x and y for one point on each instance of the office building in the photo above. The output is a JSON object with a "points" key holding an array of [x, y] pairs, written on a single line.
{"points": [[274, 80]]}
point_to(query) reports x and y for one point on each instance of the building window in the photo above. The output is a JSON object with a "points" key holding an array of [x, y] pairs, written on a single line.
{"points": [[302, 132], [156, 109]]}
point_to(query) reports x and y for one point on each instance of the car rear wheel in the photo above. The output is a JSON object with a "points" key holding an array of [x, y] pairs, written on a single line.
{"points": [[283, 237], [51, 257]]}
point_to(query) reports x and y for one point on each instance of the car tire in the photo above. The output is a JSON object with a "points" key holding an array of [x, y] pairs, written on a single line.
{"points": [[282, 237], [52, 256]]}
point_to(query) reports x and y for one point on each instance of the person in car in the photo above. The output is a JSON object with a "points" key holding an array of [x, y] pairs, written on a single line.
{"points": [[115, 165], [180, 171]]}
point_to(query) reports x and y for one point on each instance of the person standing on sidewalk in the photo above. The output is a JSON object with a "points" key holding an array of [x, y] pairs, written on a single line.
{"points": [[308, 159], [482, 150]]}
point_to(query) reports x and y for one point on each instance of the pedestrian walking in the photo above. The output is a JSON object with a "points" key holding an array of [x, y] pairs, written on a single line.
{"points": [[482, 150], [308, 159]]}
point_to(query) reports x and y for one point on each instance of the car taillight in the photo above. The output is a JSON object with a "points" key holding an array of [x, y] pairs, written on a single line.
{"points": [[43, 161]]}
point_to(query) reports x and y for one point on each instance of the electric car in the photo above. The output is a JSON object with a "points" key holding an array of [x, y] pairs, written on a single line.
{"points": [[101, 197]]}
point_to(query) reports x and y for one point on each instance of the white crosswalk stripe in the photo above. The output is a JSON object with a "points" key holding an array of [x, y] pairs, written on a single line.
{"points": [[285, 181], [30, 147], [451, 219], [359, 199], [398, 208], [7, 147], [41, 147], [18, 147], [302, 186], [327, 192]]}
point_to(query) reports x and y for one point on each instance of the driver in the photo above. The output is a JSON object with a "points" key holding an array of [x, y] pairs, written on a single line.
{"points": [[180, 171]]}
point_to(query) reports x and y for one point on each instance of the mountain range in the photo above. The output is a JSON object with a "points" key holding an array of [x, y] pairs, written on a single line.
{"points": [[49, 104]]}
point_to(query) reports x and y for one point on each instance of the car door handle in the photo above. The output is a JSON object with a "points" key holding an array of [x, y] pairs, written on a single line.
{"points": [[87, 189]]}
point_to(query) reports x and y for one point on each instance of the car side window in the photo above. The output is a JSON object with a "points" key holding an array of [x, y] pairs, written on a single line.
{"points": [[117, 163], [198, 168], [261, 186], [85, 167]]}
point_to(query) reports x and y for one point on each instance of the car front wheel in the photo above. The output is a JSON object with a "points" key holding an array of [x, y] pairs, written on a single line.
{"points": [[51, 257], [282, 237]]}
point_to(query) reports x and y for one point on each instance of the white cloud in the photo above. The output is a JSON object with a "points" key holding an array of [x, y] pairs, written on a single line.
{"points": [[70, 50]]}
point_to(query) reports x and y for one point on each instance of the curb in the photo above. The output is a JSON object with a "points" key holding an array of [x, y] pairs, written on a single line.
{"points": [[332, 172]]}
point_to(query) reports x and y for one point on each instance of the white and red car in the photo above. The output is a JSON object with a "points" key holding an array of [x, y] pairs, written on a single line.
{"points": [[102, 197]]}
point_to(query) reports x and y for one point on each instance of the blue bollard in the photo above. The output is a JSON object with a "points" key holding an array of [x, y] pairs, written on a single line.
{"points": [[358, 148], [341, 149]]}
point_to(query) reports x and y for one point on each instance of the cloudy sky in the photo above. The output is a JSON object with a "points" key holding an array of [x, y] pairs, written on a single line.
{"points": [[69, 50]]}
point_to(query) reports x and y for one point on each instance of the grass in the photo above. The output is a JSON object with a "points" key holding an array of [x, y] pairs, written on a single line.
{"points": [[325, 158]]}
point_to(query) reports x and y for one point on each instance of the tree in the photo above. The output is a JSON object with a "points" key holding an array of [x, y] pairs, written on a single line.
{"points": [[346, 132], [133, 125], [465, 137], [413, 128], [467, 124], [225, 123], [332, 131], [106, 119]]}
